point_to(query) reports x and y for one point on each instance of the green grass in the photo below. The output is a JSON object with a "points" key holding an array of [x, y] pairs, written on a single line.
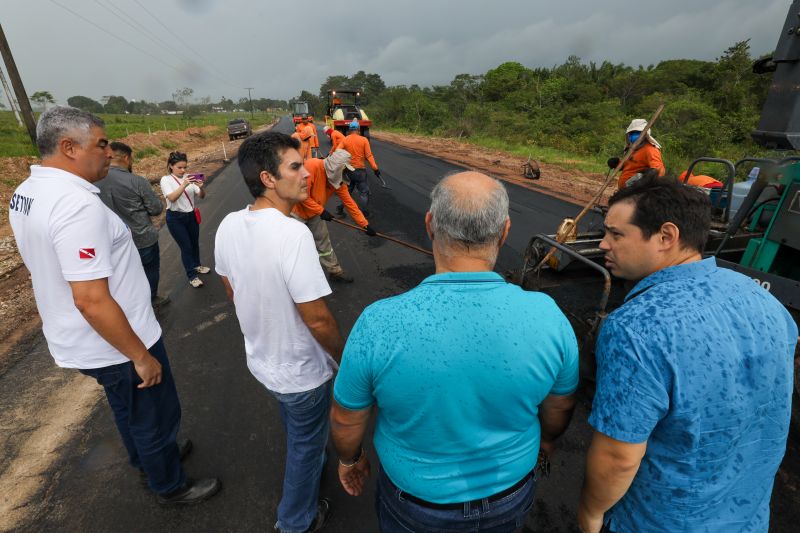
{"points": [[14, 140], [147, 151], [542, 154]]}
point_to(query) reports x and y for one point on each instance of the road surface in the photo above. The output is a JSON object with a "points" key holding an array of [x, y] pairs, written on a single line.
{"points": [[232, 420]]}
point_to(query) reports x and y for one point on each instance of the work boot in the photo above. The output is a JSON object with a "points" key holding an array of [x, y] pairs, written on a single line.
{"points": [[340, 277], [192, 492]]}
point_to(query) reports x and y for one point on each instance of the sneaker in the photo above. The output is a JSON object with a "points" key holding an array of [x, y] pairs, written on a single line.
{"points": [[196, 283], [202, 270], [341, 277], [192, 492]]}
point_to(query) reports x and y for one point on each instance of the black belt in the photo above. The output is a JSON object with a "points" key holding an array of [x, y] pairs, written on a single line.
{"points": [[450, 506]]}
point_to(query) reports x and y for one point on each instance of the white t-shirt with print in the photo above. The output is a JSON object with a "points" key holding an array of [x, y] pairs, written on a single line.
{"points": [[272, 264], [64, 233], [169, 185]]}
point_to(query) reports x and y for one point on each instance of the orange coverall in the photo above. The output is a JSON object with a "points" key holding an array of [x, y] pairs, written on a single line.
{"points": [[646, 156], [314, 138], [304, 136], [337, 137], [359, 149], [320, 190]]}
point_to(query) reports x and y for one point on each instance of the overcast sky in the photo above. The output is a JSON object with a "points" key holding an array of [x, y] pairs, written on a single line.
{"points": [[279, 48]]}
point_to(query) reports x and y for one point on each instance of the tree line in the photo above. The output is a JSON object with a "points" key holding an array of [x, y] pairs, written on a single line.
{"points": [[182, 100], [583, 108]]}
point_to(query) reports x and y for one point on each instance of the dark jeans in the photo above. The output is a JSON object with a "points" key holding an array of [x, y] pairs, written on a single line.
{"points": [[358, 183], [305, 418], [151, 261], [147, 419], [399, 515], [186, 231]]}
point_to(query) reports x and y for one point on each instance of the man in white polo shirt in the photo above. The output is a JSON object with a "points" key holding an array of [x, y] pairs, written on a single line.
{"points": [[270, 268], [94, 298]]}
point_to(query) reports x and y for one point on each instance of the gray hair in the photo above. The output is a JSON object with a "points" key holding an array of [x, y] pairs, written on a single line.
{"points": [[465, 219], [59, 122]]}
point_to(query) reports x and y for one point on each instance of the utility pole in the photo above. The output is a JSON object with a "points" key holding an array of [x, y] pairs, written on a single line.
{"points": [[19, 89], [251, 100], [11, 103]]}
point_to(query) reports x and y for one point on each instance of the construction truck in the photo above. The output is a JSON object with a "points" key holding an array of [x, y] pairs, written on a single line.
{"points": [[300, 111], [755, 225], [343, 108]]}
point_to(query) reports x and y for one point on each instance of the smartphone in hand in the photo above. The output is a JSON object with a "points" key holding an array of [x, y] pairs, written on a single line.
{"points": [[197, 177]]}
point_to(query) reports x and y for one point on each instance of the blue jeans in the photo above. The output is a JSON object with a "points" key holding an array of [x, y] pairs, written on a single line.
{"points": [[147, 419], [305, 418], [399, 515], [186, 231], [151, 261]]}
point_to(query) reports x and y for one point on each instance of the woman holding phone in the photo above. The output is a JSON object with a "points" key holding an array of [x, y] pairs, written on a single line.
{"points": [[182, 191]]}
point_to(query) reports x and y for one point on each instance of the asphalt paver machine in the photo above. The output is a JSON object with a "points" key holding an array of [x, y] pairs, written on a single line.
{"points": [[343, 108]]}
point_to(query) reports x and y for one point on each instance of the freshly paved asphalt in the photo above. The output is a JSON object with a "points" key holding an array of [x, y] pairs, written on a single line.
{"points": [[233, 420]]}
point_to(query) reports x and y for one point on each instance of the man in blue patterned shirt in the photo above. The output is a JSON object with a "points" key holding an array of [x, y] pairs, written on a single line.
{"points": [[694, 378]]}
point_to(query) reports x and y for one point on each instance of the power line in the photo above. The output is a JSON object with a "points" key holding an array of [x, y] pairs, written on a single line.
{"points": [[178, 70], [65, 8], [179, 39], [136, 26]]}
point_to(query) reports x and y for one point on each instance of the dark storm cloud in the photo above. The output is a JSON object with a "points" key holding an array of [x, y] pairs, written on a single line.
{"points": [[282, 48]]}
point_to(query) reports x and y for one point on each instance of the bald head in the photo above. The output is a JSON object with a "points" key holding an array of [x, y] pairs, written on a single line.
{"points": [[469, 209]]}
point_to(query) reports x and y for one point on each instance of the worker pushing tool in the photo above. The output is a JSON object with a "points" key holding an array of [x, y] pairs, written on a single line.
{"points": [[324, 180], [646, 156], [359, 148]]}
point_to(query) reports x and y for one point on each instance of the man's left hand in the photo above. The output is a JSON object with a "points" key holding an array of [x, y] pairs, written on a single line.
{"points": [[370, 231], [589, 523], [353, 478], [377, 172]]}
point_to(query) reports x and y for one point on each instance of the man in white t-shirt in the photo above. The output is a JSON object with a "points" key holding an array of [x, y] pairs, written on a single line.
{"points": [[94, 298], [271, 271]]}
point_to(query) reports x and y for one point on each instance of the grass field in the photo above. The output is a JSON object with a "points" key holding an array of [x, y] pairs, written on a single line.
{"points": [[14, 140]]}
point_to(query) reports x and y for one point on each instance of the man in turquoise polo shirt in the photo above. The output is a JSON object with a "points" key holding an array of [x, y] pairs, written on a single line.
{"points": [[470, 376]]}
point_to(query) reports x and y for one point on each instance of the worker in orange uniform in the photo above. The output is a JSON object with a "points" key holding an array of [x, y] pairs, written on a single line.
{"points": [[324, 179], [312, 129], [337, 138], [358, 147], [304, 133], [647, 155]]}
